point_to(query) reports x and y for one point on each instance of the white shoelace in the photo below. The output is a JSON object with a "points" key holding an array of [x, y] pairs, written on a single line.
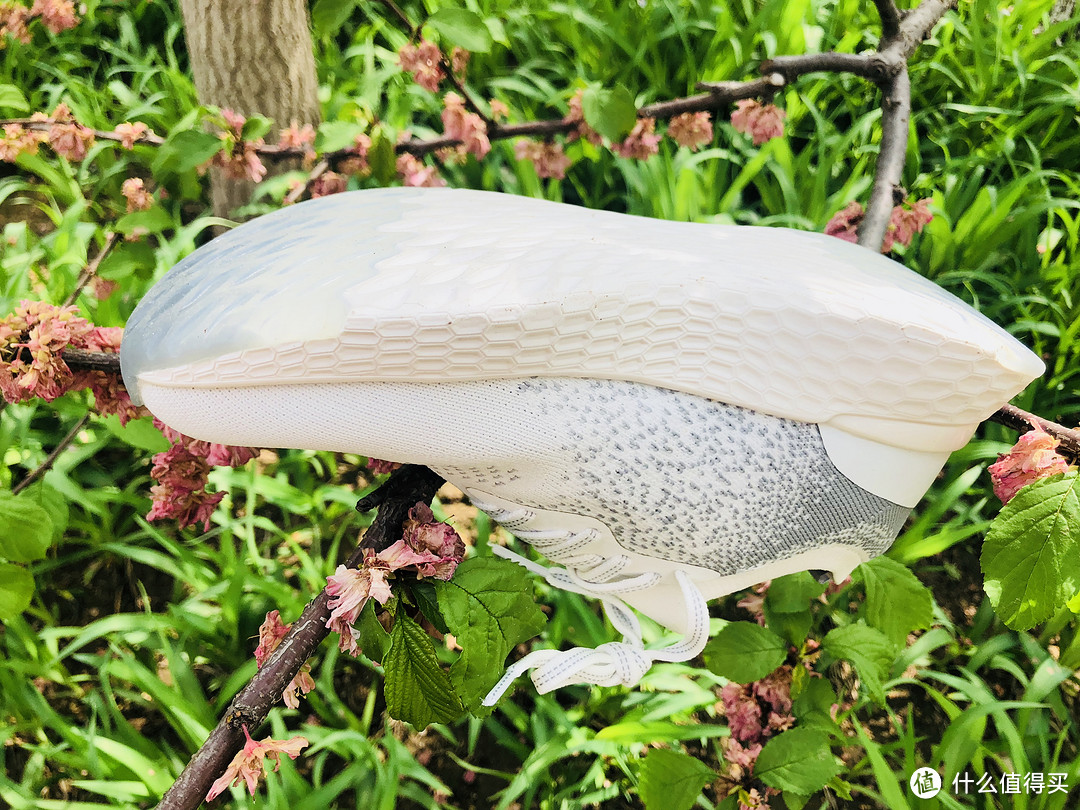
{"points": [[618, 662]]}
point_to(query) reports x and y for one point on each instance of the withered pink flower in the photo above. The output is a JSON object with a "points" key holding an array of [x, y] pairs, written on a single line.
{"points": [[424, 62], [234, 121], [762, 122], [577, 116], [352, 587], [103, 288], [56, 15], [326, 184], [380, 467], [71, 140], [906, 221], [181, 489], [459, 61], [692, 130], [33, 337], [13, 20], [1034, 456], [743, 756], [546, 156], [17, 140], [499, 111], [754, 801], [844, 224], [743, 713], [271, 633], [128, 133], [414, 173], [425, 535], [775, 689], [780, 722], [134, 191], [642, 142], [247, 765], [465, 126]]}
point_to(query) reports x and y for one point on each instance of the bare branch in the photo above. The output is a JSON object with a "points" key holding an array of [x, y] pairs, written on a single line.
{"points": [[44, 125], [91, 269], [50, 459], [890, 18], [914, 28], [82, 360], [408, 485], [895, 114]]}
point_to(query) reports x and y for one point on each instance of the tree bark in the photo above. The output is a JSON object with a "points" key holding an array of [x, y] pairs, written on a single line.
{"points": [[254, 57]]}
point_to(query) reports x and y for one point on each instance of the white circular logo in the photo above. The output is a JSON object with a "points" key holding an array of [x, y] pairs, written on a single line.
{"points": [[926, 783]]}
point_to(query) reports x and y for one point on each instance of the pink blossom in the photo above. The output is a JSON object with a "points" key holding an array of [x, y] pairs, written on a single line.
{"points": [[247, 765], [425, 535], [844, 224], [415, 173], [34, 336], [499, 111], [692, 130], [780, 722], [128, 133], [907, 221], [103, 288], [1034, 456], [227, 455], [743, 756], [234, 121], [577, 116], [743, 713], [56, 15], [297, 137], [464, 126], [13, 20], [642, 143], [762, 122], [380, 467], [352, 587], [546, 156], [424, 62], [753, 800], [326, 184], [272, 631], [755, 601], [181, 489], [138, 198], [72, 141]]}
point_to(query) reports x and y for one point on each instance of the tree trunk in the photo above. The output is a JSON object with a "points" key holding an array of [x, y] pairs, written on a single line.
{"points": [[254, 57]]}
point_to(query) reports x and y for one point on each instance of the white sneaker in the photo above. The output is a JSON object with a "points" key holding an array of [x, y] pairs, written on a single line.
{"points": [[672, 411]]}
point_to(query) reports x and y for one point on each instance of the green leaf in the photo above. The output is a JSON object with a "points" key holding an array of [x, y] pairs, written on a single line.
{"points": [[671, 780], [26, 530], [139, 433], [744, 652], [799, 760], [426, 598], [334, 135], [793, 593], [374, 640], [256, 127], [489, 607], [16, 590], [461, 27], [1031, 559], [185, 149], [327, 16], [381, 157], [153, 220], [896, 602], [417, 689], [610, 111], [869, 651], [12, 98], [52, 501], [811, 706]]}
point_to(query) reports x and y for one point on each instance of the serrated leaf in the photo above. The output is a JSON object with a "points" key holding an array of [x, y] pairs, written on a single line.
{"points": [[793, 593], [12, 98], [671, 780], [461, 27], [26, 530], [489, 607], [417, 689], [896, 601], [811, 706], [794, 627], [139, 433], [427, 599], [1030, 559], [374, 641], [610, 111], [185, 149], [381, 157], [744, 652], [16, 590], [799, 760], [868, 650], [327, 16]]}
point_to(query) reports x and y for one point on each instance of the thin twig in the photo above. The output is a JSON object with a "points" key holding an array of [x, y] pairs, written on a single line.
{"points": [[44, 125], [890, 18], [1020, 420], [895, 114], [91, 269], [253, 703], [50, 459], [82, 360]]}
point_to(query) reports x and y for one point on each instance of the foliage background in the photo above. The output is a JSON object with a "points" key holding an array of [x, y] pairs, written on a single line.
{"points": [[139, 634]]}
